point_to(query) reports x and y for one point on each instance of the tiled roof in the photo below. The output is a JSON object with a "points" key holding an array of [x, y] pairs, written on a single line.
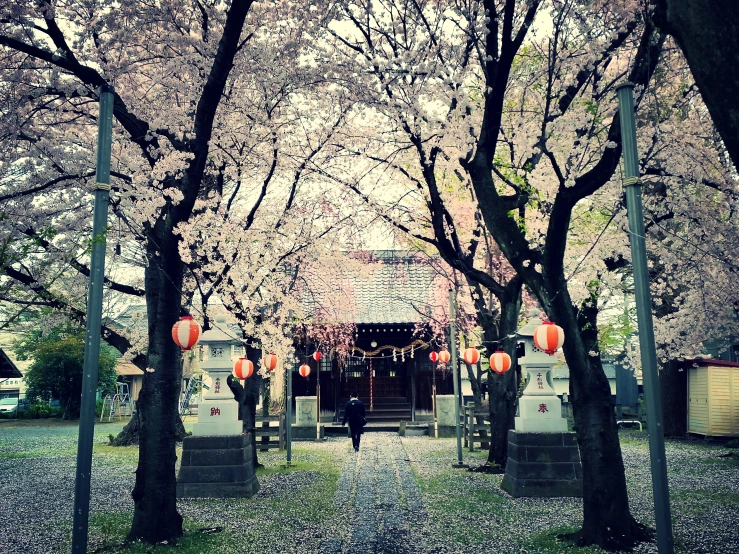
{"points": [[394, 287]]}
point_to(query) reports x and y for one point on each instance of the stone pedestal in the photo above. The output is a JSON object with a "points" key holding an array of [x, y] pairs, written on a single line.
{"points": [[542, 465], [305, 411], [217, 467], [540, 414], [445, 416]]}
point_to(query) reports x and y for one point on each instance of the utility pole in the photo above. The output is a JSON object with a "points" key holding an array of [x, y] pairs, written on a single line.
{"points": [[455, 375], [289, 411], [94, 320], [632, 186]]}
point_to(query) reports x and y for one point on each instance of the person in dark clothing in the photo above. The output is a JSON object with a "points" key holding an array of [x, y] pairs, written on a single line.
{"points": [[354, 413]]}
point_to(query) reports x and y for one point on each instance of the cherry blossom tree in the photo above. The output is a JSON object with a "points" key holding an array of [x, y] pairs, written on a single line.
{"points": [[405, 65], [215, 126]]}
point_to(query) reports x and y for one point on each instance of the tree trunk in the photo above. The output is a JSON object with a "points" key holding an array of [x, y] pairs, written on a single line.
{"points": [[673, 384], [707, 31], [155, 517], [502, 389], [607, 520], [248, 396]]}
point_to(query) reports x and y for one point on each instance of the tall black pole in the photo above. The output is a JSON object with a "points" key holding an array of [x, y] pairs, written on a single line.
{"points": [[289, 411], [455, 375], [632, 186], [94, 319]]}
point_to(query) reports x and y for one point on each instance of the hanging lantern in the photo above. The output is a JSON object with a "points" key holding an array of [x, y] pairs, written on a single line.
{"points": [[434, 357], [186, 332], [549, 337], [317, 356], [243, 368], [304, 370], [444, 356], [270, 362], [471, 355], [500, 362]]}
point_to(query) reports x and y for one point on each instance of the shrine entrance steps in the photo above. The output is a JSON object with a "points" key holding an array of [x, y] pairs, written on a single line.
{"points": [[387, 409]]}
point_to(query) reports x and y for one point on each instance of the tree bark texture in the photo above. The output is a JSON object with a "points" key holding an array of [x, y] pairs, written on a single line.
{"points": [[155, 517], [607, 520], [502, 388], [707, 31]]}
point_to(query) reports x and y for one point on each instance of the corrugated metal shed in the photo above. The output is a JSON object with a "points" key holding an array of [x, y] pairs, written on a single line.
{"points": [[713, 398]]}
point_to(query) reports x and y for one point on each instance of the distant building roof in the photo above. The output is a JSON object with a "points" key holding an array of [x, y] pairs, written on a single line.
{"points": [[7, 367], [563, 371], [710, 361], [127, 368]]}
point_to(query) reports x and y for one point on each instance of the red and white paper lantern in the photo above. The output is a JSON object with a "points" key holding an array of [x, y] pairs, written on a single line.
{"points": [[500, 362], [270, 362], [444, 356], [304, 370], [434, 357], [317, 356], [243, 368], [549, 337], [471, 356], [186, 332]]}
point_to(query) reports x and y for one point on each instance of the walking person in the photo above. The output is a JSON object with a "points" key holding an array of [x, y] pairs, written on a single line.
{"points": [[354, 413]]}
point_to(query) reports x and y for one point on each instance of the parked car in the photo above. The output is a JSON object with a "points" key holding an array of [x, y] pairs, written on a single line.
{"points": [[9, 405]]}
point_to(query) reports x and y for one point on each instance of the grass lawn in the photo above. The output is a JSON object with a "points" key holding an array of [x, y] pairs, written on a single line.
{"points": [[468, 512], [295, 509]]}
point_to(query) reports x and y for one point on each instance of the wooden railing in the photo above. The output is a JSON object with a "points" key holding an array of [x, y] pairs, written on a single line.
{"points": [[270, 432], [476, 427]]}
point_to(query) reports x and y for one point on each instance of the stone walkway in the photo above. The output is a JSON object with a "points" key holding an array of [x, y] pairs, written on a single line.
{"points": [[379, 495]]}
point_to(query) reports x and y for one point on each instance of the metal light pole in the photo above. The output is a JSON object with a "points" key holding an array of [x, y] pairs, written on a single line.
{"points": [[289, 412], [455, 375], [94, 320], [632, 185]]}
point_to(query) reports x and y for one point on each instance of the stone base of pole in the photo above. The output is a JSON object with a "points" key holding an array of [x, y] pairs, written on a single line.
{"points": [[542, 465], [217, 467]]}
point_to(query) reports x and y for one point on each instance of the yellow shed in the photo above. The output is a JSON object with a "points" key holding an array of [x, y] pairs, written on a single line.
{"points": [[713, 398]]}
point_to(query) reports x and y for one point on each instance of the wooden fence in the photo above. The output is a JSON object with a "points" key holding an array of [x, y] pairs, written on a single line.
{"points": [[476, 427], [270, 432]]}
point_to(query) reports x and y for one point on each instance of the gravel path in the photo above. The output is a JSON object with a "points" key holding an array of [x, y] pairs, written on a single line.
{"points": [[380, 496], [397, 495]]}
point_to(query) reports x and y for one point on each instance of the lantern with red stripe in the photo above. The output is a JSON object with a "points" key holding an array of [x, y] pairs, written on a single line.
{"points": [[186, 332], [270, 362], [304, 370], [317, 356], [243, 368], [434, 357], [444, 356], [471, 356], [500, 362], [549, 337]]}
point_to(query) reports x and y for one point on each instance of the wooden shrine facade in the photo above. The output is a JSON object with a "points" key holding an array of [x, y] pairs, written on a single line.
{"points": [[405, 380]]}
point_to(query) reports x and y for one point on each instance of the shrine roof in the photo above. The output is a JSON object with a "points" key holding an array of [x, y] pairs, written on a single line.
{"points": [[394, 286]]}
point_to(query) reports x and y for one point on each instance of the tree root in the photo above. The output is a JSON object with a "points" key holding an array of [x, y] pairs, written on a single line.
{"points": [[609, 540], [129, 435]]}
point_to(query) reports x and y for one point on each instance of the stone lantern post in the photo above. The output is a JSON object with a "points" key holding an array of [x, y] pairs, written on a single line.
{"points": [[543, 457], [540, 409], [217, 460], [218, 412]]}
